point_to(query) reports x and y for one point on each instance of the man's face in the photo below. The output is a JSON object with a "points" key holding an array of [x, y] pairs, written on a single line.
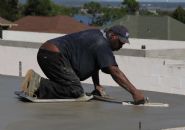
{"points": [[116, 44]]}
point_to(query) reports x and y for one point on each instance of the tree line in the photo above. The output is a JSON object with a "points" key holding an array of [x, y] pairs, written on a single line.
{"points": [[13, 10]]}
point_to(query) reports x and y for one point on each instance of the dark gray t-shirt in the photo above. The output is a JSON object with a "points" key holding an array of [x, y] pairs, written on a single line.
{"points": [[87, 51]]}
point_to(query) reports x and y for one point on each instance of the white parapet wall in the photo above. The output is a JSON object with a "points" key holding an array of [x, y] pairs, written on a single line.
{"points": [[134, 43], [11, 56], [28, 36], [162, 75], [151, 44]]}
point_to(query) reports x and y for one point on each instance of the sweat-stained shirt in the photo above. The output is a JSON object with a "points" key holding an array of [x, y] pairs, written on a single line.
{"points": [[87, 51]]}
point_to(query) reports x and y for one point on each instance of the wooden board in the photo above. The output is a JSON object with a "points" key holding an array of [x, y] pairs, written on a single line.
{"points": [[85, 98], [32, 99]]}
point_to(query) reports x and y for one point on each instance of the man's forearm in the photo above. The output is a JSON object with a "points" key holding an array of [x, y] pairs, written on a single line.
{"points": [[97, 86], [122, 80]]}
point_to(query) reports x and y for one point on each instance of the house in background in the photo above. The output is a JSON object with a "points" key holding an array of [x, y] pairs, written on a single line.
{"points": [[42, 28], [153, 27], [50, 24], [4, 25]]}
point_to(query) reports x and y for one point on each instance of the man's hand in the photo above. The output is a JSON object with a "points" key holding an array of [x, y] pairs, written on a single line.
{"points": [[138, 97], [99, 90]]}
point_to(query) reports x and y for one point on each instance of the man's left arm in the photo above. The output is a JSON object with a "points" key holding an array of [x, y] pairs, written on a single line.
{"points": [[122, 80]]}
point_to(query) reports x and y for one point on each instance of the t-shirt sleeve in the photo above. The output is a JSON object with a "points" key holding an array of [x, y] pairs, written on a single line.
{"points": [[105, 56]]}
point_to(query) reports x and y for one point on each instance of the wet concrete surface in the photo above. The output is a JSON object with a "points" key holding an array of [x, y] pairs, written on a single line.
{"points": [[93, 115]]}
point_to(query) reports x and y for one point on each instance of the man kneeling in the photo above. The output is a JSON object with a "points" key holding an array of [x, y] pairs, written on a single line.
{"points": [[69, 59]]}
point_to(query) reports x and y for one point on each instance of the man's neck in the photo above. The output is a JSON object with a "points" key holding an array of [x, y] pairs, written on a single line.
{"points": [[104, 34]]}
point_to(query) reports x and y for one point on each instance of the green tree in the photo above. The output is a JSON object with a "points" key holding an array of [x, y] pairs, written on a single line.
{"points": [[56, 9], [38, 7], [103, 15], [70, 11], [179, 14], [3, 8], [47, 8], [109, 15], [9, 9], [131, 5], [13, 9], [93, 8]]}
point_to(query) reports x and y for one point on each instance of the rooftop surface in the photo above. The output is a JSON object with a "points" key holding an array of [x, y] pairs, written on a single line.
{"points": [[18, 115]]}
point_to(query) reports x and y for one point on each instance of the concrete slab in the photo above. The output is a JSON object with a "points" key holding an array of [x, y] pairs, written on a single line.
{"points": [[15, 114]]}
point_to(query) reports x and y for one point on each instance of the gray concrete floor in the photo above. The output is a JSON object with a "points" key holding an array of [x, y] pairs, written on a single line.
{"points": [[93, 115]]}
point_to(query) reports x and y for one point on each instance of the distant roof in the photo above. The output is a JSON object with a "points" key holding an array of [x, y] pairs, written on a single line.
{"points": [[153, 27], [50, 24], [4, 22]]}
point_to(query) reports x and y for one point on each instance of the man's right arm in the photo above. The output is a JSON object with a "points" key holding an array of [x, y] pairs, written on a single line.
{"points": [[96, 81]]}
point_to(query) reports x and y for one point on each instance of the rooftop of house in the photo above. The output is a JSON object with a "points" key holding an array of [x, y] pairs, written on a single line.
{"points": [[50, 24], [153, 27], [4, 22]]}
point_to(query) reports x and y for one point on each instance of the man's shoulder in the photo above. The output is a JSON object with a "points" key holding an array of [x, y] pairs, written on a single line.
{"points": [[92, 31], [94, 35]]}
